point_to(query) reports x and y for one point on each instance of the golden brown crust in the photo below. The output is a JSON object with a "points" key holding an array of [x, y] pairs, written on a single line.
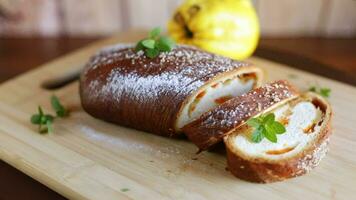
{"points": [[214, 125], [125, 87], [267, 171]]}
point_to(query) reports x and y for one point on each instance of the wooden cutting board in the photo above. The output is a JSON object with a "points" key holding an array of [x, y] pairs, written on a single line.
{"points": [[90, 159]]}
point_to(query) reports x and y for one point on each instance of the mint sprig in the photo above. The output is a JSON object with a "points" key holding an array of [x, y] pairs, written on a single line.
{"points": [[265, 126], [58, 107], [45, 121], [325, 92], [154, 44]]}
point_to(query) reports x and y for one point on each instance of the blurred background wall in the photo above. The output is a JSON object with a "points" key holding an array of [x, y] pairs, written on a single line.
{"points": [[289, 18]]}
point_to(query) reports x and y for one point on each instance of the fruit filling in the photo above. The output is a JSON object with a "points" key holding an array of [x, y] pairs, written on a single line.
{"points": [[216, 94], [302, 119]]}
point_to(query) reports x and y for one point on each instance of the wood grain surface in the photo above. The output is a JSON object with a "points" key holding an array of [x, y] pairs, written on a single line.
{"points": [[87, 158], [328, 55]]}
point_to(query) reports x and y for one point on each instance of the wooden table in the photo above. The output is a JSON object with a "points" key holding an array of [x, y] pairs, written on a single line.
{"points": [[333, 58]]}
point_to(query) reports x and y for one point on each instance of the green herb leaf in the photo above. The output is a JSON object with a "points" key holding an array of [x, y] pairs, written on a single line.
{"points": [[151, 53], [45, 121], [254, 122], [49, 118], [149, 43], [49, 126], [139, 46], [40, 111], [257, 135], [36, 119], [269, 118], [124, 189], [312, 89], [269, 133], [265, 126], [155, 44], [278, 127], [325, 92], [165, 44], [155, 32], [58, 107]]}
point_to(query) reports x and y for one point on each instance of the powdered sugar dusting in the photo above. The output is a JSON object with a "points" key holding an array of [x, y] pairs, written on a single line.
{"points": [[146, 88], [236, 110], [181, 56], [174, 157], [150, 78], [310, 161], [102, 57], [120, 75], [129, 146]]}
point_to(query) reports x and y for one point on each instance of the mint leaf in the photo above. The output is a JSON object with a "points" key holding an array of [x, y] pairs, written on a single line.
{"points": [[151, 53], [269, 134], [325, 92], [257, 135], [155, 32], [48, 118], [268, 118], [265, 127], [139, 46], [149, 43], [45, 121], [162, 46], [165, 44], [58, 107], [36, 119], [278, 127], [312, 89], [155, 44], [168, 41], [254, 122], [49, 126], [40, 111]]}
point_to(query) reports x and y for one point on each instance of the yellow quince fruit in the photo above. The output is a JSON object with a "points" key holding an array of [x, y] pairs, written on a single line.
{"points": [[225, 27]]}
